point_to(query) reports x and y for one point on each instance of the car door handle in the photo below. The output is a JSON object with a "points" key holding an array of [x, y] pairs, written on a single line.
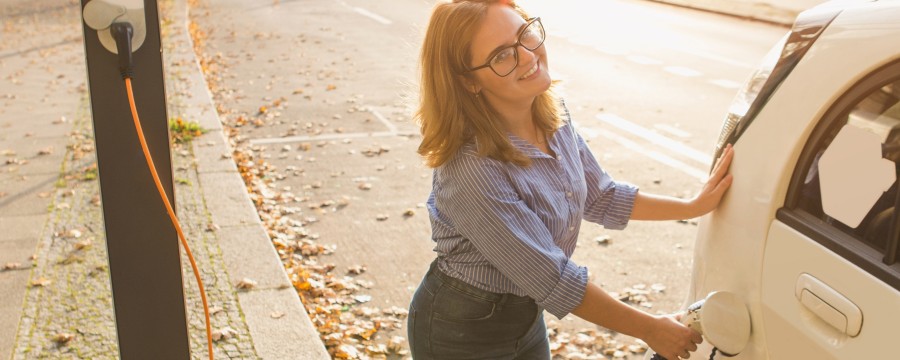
{"points": [[828, 304]]}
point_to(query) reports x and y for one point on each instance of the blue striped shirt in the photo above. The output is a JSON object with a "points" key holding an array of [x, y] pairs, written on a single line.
{"points": [[510, 229]]}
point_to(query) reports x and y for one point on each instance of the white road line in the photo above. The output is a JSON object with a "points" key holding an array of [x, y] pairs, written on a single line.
{"points": [[391, 127], [655, 138], [683, 71], [293, 139], [372, 16], [659, 157], [643, 60], [392, 131], [367, 13], [673, 130], [728, 84], [713, 57]]}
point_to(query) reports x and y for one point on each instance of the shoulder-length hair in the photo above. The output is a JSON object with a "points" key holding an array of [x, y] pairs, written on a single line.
{"points": [[449, 114]]}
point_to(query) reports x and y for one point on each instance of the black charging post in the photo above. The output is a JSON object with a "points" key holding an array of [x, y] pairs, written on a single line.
{"points": [[144, 257]]}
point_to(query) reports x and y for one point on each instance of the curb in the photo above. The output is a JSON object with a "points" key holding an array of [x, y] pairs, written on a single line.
{"points": [[246, 248], [757, 11]]}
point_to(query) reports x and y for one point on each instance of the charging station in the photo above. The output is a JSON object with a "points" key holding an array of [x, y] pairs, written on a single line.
{"points": [[144, 258]]}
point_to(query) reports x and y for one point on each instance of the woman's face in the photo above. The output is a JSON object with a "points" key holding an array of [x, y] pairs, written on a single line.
{"points": [[500, 29]]}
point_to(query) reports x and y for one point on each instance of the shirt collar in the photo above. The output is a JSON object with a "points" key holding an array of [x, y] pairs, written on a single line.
{"points": [[528, 149]]}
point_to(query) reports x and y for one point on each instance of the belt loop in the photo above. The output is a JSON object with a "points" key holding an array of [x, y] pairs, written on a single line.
{"points": [[502, 301]]}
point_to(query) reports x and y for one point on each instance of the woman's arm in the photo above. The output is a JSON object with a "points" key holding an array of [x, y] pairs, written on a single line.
{"points": [[658, 207], [663, 334]]}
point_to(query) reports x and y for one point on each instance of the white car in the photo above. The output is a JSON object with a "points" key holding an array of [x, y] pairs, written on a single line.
{"points": [[808, 234]]}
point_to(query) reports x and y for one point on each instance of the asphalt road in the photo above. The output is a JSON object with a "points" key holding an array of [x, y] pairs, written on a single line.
{"points": [[647, 84]]}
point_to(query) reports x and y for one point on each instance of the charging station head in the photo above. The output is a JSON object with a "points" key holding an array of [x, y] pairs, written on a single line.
{"points": [[101, 14], [726, 322]]}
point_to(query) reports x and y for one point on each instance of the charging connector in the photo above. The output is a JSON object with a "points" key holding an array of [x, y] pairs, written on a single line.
{"points": [[123, 32]]}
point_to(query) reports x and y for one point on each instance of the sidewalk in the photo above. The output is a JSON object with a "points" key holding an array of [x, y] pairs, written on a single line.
{"points": [[57, 301], [771, 11]]}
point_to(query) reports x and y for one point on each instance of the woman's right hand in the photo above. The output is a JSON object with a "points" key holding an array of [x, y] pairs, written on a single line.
{"points": [[672, 339]]}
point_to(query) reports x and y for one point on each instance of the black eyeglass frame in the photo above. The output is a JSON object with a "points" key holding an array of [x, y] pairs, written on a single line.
{"points": [[517, 44]]}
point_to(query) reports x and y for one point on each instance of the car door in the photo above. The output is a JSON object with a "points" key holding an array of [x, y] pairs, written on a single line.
{"points": [[831, 277]]}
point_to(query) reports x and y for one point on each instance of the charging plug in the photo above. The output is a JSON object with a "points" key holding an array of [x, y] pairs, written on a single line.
{"points": [[123, 32]]}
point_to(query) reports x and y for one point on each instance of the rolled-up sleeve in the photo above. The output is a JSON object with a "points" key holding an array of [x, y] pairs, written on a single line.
{"points": [[608, 202], [485, 208]]}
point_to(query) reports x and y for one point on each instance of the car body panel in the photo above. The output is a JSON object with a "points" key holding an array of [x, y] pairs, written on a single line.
{"points": [[793, 330]]}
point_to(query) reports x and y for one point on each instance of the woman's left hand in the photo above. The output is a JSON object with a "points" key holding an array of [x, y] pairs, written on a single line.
{"points": [[719, 181]]}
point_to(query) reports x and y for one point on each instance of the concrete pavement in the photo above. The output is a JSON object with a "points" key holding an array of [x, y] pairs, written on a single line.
{"points": [[57, 301]]}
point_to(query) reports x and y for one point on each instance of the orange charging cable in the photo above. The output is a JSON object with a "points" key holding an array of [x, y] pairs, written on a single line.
{"points": [[165, 199]]}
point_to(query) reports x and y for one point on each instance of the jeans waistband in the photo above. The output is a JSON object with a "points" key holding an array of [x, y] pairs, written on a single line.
{"points": [[474, 291]]}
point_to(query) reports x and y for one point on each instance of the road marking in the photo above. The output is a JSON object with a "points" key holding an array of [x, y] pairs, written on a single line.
{"points": [[391, 127], [728, 84], [659, 157], [673, 130], [381, 19], [683, 71], [392, 131], [643, 60], [293, 139], [654, 138], [372, 15], [714, 57]]}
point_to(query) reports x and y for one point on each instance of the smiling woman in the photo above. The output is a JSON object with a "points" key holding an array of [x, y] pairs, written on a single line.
{"points": [[512, 182]]}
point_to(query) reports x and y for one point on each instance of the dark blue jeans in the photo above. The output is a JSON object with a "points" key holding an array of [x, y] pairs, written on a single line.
{"points": [[450, 319]]}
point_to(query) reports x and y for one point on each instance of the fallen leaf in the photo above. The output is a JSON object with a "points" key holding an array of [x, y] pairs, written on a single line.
{"points": [[224, 333], [40, 282], [277, 315], [381, 217], [246, 284], [346, 352], [395, 345], [357, 269], [603, 240], [63, 338], [364, 186], [409, 213], [11, 266], [45, 151], [330, 87], [83, 244], [74, 233]]}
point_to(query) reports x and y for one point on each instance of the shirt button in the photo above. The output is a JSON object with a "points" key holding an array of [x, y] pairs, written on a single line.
{"points": [[571, 228], [568, 194]]}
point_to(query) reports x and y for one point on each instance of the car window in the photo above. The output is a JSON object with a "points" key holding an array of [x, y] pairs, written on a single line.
{"points": [[851, 183], [844, 190]]}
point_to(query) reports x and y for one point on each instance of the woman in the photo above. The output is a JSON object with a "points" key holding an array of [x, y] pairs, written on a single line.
{"points": [[512, 182]]}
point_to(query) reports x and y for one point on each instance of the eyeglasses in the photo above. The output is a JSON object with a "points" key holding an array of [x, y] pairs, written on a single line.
{"points": [[505, 60]]}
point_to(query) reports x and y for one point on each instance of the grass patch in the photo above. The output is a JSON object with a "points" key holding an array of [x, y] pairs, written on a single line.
{"points": [[183, 131]]}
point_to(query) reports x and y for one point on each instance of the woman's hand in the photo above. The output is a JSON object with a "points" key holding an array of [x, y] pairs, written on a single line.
{"points": [[671, 339], [719, 181]]}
